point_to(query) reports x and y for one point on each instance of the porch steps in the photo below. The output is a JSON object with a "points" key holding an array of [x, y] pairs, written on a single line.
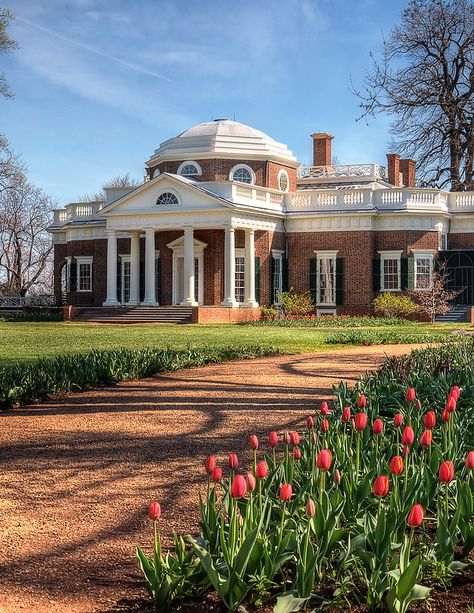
{"points": [[458, 314], [135, 315]]}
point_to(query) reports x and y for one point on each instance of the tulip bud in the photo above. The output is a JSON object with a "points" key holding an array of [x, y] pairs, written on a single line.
{"points": [[426, 438], [406, 450], [324, 459], [346, 414], [418, 404], [396, 465], [287, 438], [261, 472], [445, 415], [451, 404], [456, 392], [310, 509], [273, 439], [336, 476], [253, 442], [408, 435], [470, 460], [324, 408], [216, 475], [310, 422], [297, 453], [251, 482], [410, 397], [362, 402], [233, 461], [430, 419], [239, 487], [286, 492], [210, 464], [295, 439], [380, 488], [377, 426], [314, 437], [446, 471], [154, 510], [415, 517], [397, 420], [360, 421], [324, 426]]}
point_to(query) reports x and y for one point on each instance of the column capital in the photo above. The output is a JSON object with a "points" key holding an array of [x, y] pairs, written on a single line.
{"points": [[110, 232], [135, 233]]}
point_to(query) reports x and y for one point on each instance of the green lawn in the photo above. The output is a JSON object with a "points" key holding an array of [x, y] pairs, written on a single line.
{"points": [[32, 340]]}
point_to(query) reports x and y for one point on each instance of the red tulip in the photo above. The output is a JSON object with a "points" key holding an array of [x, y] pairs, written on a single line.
{"points": [[233, 461], [310, 422], [445, 415], [297, 453], [295, 439], [310, 508], [446, 471], [377, 426], [362, 402], [324, 426], [324, 459], [261, 471], [210, 464], [411, 395], [273, 439], [286, 492], [426, 438], [396, 465], [287, 438], [380, 488], [406, 450], [360, 421], [470, 460], [430, 419], [415, 517], [451, 404], [408, 435], [456, 392], [324, 408], [397, 420], [239, 487], [154, 510], [251, 482], [216, 475], [253, 442], [346, 414]]}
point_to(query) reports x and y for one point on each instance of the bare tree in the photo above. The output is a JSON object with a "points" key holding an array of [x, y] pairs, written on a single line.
{"points": [[436, 299], [7, 44], [123, 181], [25, 245], [11, 166], [425, 81]]}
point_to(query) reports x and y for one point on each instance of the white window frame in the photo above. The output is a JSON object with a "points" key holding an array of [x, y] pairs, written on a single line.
{"points": [[422, 255], [84, 259], [325, 255], [189, 162], [238, 167], [277, 254], [443, 241], [239, 253], [390, 255], [168, 191], [280, 174]]}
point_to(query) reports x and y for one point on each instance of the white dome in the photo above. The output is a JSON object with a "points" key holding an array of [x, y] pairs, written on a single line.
{"points": [[223, 138]]}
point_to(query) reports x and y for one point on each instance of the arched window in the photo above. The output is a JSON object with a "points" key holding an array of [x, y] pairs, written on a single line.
{"points": [[166, 199], [156, 173], [243, 174], [189, 169], [283, 180]]}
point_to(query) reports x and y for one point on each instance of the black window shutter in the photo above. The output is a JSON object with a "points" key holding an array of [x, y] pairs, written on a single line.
{"points": [[158, 280], [272, 280], [257, 279], [404, 273], [376, 275], [313, 278], [142, 280], [73, 278], [339, 281], [119, 280], [284, 270]]}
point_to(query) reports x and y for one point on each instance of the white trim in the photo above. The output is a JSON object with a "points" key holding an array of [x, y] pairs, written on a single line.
{"points": [[281, 172], [277, 254], [325, 255], [177, 246], [84, 259], [390, 255], [237, 167], [420, 254], [323, 311], [185, 163], [168, 190]]}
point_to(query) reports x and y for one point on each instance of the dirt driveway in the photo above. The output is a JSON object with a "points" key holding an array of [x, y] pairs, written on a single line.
{"points": [[78, 472]]}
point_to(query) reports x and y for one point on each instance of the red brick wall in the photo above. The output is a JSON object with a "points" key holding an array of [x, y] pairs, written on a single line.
{"points": [[322, 149], [406, 240], [464, 240], [272, 176], [218, 170]]}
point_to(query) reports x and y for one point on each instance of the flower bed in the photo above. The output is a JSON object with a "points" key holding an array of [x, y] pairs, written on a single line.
{"points": [[329, 321], [371, 501]]}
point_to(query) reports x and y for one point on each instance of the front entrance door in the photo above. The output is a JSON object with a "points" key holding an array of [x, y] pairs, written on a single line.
{"points": [[178, 280], [460, 270], [125, 285]]}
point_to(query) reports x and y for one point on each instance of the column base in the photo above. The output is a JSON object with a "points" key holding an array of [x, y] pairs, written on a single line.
{"points": [[133, 303], [229, 302], [149, 303], [189, 303], [252, 304], [111, 302]]}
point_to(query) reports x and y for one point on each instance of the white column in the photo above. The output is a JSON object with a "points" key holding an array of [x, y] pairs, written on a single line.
{"points": [[134, 268], [250, 269], [150, 268], [229, 264], [111, 269], [188, 293]]}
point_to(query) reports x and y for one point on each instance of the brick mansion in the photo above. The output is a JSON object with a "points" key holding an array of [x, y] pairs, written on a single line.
{"points": [[227, 218]]}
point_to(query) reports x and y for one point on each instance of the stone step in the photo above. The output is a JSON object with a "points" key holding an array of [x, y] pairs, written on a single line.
{"points": [[139, 314]]}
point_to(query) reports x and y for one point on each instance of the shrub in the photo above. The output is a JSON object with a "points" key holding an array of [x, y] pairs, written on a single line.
{"points": [[268, 312], [296, 304], [388, 304]]}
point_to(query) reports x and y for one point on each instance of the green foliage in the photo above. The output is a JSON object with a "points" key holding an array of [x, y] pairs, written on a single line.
{"points": [[268, 312], [271, 317], [292, 303], [389, 304], [33, 315], [382, 337]]}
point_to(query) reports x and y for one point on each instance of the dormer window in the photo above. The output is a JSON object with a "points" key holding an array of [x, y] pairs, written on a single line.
{"points": [[243, 174], [189, 169]]}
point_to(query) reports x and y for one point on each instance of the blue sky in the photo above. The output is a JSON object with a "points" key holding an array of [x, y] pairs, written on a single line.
{"points": [[100, 83]]}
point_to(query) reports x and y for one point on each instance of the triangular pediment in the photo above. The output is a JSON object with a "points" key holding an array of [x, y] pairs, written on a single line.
{"points": [[185, 195]]}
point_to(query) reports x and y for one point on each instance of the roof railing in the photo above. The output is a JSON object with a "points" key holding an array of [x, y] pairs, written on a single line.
{"points": [[342, 170]]}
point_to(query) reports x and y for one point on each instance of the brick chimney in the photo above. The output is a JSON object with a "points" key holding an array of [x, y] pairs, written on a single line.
{"points": [[408, 170], [322, 148], [393, 168]]}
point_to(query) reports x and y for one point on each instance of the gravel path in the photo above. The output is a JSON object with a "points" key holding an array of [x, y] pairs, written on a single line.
{"points": [[78, 472]]}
